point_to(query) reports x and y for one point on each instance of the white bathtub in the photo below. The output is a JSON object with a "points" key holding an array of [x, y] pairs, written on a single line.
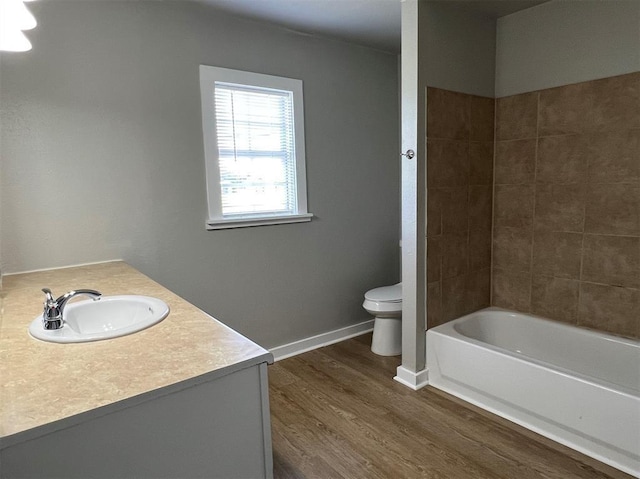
{"points": [[575, 386]]}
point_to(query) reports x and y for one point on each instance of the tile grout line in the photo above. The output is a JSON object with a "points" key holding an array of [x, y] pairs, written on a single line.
{"points": [[493, 195], [535, 188], [465, 293], [584, 227]]}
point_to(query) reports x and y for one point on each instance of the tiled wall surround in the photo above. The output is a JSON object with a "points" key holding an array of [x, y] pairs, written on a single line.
{"points": [[459, 198], [566, 227]]}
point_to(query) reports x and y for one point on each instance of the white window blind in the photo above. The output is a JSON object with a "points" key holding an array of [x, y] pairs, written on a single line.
{"points": [[256, 150]]}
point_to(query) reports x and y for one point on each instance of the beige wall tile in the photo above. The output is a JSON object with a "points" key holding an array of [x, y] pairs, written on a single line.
{"points": [[447, 114], [613, 260], [435, 199], [459, 201], [434, 305], [512, 248], [454, 292], [455, 254], [513, 206], [560, 207], [565, 110], [587, 192], [511, 290], [609, 308], [478, 290], [434, 259], [614, 157], [480, 207], [479, 249], [628, 322], [455, 210], [481, 163], [447, 162], [516, 116], [555, 298], [613, 209], [515, 162], [481, 119], [557, 254], [562, 159], [616, 103]]}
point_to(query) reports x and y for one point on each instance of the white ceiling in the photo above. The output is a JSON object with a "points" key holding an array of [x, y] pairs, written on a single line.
{"points": [[374, 23]]}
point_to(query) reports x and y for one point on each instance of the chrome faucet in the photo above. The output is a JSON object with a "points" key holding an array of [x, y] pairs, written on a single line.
{"points": [[53, 308]]}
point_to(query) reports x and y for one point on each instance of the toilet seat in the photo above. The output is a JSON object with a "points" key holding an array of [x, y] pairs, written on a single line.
{"points": [[386, 299], [385, 294]]}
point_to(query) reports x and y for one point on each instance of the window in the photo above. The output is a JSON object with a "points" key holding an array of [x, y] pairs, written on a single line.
{"points": [[253, 127]]}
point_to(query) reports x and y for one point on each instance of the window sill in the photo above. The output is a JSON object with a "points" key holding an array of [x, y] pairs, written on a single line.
{"points": [[223, 224]]}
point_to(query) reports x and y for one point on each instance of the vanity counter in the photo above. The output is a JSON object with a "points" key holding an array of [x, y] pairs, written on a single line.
{"points": [[45, 387]]}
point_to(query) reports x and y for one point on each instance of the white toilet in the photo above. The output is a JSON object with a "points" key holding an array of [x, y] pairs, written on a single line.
{"points": [[385, 304]]}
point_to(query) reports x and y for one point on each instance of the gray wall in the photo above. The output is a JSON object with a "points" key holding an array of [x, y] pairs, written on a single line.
{"points": [[102, 158], [563, 42], [457, 49]]}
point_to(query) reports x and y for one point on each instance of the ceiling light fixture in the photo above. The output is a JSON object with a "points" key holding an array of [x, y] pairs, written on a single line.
{"points": [[14, 19]]}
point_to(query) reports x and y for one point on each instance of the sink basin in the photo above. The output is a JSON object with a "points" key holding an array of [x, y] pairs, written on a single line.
{"points": [[106, 318]]}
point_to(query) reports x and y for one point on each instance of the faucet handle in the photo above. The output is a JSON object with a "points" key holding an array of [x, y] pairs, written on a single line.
{"points": [[49, 301], [51, 314], [48, 295]]}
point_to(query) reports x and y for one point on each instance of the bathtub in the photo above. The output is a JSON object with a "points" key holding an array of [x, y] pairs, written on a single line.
{"points": [[575, 386]]}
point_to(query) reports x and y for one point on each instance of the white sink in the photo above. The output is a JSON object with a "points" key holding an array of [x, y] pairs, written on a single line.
{"points": [[105, 318]]}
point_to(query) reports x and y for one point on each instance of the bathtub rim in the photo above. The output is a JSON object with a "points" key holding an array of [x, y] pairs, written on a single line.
{"points": [[555, 323], [449, 329]]}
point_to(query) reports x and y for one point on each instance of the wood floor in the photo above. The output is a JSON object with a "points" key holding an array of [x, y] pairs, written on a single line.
{"points": [[337, 413]]}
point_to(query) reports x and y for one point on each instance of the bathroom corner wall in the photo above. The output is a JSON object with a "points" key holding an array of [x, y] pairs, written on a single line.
{"points": [[459, 201], [566, 239]]}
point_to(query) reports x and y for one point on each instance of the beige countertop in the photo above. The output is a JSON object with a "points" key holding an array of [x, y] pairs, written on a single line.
{"points": [[46, 386]]}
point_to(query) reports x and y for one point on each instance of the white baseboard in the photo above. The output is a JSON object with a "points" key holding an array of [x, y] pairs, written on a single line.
{"points": [[412, 380], [321, 340]]}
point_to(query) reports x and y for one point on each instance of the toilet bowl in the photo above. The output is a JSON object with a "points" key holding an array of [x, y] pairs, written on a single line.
{"points": [[385, 303]]}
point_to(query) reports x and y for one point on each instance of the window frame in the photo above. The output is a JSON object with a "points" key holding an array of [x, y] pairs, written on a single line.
{"points": [[209, 75]]}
